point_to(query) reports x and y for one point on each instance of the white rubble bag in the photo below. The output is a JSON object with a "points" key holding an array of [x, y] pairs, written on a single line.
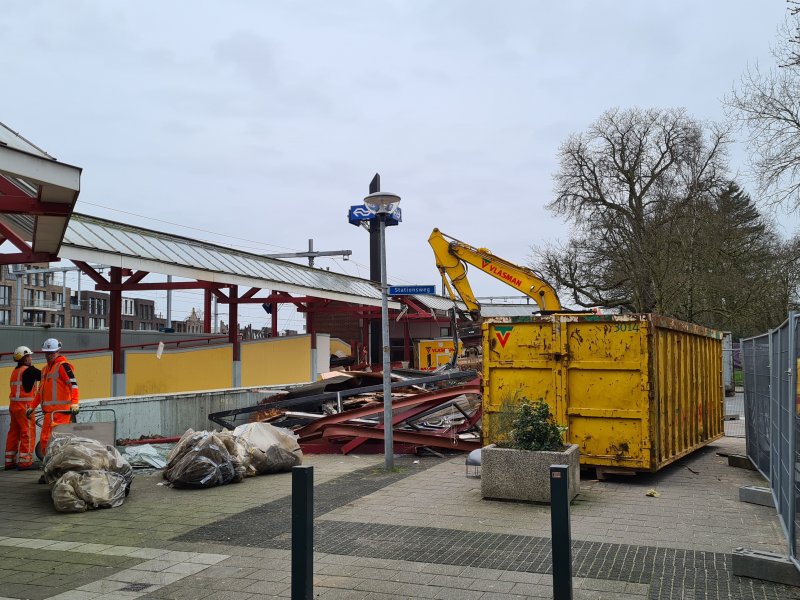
{"points": [[78, 491], [270, 449], [85, 474]]}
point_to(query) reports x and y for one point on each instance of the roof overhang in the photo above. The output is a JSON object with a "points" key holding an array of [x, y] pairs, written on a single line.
{"points": [[37, 194]]}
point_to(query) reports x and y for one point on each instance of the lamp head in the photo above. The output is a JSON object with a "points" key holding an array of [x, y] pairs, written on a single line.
{"points": [[382, 203]]}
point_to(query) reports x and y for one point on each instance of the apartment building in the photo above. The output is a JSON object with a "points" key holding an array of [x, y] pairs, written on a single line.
{"points": [[41, 299]]}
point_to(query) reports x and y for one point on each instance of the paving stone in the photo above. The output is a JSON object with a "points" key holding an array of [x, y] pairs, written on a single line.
{"points": [[341, 594], [411, 590], [185, 568], [74, 595]]}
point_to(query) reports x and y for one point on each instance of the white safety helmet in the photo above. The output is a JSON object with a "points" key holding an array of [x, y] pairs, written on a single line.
{"points": [[51, 345], [21, 352]]}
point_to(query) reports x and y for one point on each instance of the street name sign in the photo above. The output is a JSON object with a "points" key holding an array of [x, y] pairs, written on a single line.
{"points": [[411, 290]]}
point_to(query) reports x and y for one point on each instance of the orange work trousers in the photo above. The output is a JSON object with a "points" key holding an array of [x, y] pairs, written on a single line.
{"points": [[51, 420], [21, 436]]}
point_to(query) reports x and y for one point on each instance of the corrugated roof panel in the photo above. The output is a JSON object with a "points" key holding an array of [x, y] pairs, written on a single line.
{"points": [[21, 224], [12, 139], [508, 310], [487, 309], [105, 239], [437, 302]]}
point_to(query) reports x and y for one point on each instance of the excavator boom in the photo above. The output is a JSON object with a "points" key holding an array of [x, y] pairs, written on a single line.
{"points": [[451, 256]]}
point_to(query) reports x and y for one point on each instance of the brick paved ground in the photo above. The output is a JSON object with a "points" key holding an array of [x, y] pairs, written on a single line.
{"points": [[423, 532]]}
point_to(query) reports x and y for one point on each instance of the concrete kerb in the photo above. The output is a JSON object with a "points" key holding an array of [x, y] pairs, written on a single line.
{"points": [[754, 494], [767, 566]]}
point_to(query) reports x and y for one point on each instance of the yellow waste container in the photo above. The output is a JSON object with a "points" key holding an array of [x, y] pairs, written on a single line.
{"points": [[636, 392]]}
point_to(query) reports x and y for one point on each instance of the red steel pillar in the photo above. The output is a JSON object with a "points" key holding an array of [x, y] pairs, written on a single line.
{"points": [[233, 316], [115, 320], [274, 316], [310, 329], [406, 342]]}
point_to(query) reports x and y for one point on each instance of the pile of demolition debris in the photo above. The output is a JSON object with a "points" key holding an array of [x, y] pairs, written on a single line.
{"points": [[344, 411]]}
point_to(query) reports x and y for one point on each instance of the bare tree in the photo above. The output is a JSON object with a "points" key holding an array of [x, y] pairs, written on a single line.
{"points": [[791, 32], [766, 104], [622, 183]]}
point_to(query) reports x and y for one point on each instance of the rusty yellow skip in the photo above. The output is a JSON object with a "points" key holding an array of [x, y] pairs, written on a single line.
{"points": [[636, 392]]}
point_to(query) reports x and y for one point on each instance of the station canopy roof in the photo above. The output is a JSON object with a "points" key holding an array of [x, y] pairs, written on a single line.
{"points": [[442, 303], [37, 192], [95, 240]]}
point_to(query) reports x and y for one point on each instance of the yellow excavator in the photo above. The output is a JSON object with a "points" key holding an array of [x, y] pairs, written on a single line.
{"points": [[452, 258], [452, 255]]}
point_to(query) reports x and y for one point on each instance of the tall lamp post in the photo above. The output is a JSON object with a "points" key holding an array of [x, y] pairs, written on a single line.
{"points": [[383, 204]]}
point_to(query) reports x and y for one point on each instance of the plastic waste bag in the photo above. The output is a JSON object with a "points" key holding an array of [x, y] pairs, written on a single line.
{"points": [[200, 459], [85, 474], [67, 452], [77, 491], [269, 449], [239, 451]]}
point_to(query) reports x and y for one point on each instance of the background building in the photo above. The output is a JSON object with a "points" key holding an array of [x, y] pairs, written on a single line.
{"points": [[34, 298]]}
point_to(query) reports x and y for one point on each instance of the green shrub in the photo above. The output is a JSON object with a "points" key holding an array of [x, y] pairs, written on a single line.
{"points": [[533, 428]]}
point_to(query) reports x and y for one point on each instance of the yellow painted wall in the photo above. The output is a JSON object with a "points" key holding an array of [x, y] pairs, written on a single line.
{"points": [[277, 361], [340, 348], [178, 370], [265, 362], [93, 372]]}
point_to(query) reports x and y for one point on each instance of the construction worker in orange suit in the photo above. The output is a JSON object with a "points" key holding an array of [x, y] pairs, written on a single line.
{"points": [[22, 433], [58, 391]]}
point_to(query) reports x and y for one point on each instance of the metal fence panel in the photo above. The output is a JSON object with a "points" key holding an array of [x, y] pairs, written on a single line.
{"points": [[755, 366], [771, 423], [794, 450]]}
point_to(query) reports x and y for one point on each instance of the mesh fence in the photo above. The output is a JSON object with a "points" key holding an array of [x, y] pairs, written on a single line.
{"points": [[755, 364], [769, 363]]}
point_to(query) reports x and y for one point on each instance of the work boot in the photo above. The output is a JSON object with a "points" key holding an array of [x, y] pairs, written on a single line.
{"points": [[10, 466], [42, 479], [24, 467]]}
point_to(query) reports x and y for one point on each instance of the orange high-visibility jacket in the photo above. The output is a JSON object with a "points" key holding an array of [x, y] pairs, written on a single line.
{"points": [[18, 393], [59, 388]]}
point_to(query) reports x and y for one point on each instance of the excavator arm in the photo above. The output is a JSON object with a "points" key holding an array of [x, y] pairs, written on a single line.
{"points": [[452, 255]]}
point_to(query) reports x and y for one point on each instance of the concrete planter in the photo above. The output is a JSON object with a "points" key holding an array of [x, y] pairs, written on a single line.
{"points": [[509, 474]]}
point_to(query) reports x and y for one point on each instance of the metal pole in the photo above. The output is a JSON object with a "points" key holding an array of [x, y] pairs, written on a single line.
{"points": [[388, 432], [169, 303], [374, 274], [302, 532], [64, 299], [216, 316], [790, 400], [18, 307], [560, 531]]}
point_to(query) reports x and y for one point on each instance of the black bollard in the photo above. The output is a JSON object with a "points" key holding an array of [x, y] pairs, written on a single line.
{"points": [[559, 526], [302, 533]]}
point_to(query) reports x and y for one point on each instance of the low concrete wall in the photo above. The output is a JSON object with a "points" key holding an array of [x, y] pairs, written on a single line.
{"points": [[163, 414]]}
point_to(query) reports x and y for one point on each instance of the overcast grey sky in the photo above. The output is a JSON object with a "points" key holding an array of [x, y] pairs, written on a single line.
{"points": [[260, 123]]}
